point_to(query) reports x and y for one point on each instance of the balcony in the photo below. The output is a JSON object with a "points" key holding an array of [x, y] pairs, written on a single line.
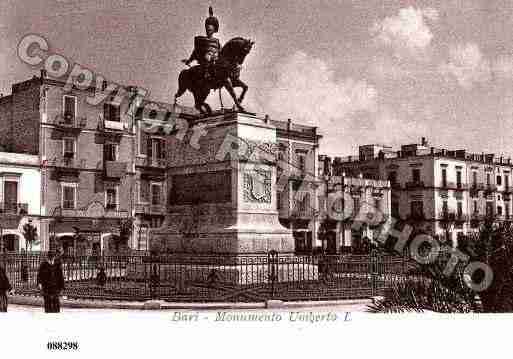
{"points": [[475, 188], [415, 185], [154, 162], [111, 213], [507, 196], [150, 209], [66, 167], [508, 190], [13, 208], [490, 188], [114, 169], [111, 130], [453, 217], [302, 209], [69, 123]]}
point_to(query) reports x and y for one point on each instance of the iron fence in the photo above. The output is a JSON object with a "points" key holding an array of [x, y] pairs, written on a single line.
{"points": [[142, 276]]}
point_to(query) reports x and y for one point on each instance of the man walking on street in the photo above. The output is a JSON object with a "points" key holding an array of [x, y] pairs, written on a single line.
{"points": [[5, 286], [50, 281]]}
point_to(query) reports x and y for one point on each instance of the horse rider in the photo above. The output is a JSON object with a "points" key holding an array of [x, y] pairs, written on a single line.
{"points": [[206, 48]]}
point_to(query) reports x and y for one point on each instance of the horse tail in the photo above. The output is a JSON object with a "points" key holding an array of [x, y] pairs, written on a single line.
{"points": [[182, 83]]}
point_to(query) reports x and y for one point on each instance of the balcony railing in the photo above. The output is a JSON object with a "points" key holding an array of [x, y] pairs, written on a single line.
{"points": [[151, 209], [454, 186], [152, 162], [68, 121], [414, 185], [13, 208], [490, 188], [114, 169], [453, 217], [302, 209], [66, 162]]}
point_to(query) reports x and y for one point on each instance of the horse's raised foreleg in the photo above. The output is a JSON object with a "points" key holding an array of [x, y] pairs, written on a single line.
{"points": [[229, 87], [239, 83]]}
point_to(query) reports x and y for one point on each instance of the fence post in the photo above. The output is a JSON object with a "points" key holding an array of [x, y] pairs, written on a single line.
{"points": [[272, 257], [373, 269]]}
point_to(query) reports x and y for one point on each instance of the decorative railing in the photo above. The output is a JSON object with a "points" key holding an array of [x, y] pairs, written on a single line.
{"points": [[13, 208], [414, 185], [115, 169], [68, 121], [152, 209], [188, 277]]}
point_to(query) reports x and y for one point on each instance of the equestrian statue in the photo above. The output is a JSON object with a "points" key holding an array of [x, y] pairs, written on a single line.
{"points": [[217, 67]]}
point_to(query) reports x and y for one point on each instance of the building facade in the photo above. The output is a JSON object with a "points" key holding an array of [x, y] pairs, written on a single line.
{"points": [[20, 202], [85, 155], [446, 193]]}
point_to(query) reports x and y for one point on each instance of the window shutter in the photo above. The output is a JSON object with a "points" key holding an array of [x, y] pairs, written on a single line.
{"points": [[163, 149], [143, 138], [149, 151], [145, 191]]}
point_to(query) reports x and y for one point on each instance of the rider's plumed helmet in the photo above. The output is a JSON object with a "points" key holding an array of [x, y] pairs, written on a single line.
{"points": [[212, 20]]}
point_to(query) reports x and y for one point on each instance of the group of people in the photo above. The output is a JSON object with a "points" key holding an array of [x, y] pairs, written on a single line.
{"points": [[50, 281]]}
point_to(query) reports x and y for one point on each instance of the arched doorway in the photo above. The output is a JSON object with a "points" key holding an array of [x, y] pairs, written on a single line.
{"points": [[11, 243]]}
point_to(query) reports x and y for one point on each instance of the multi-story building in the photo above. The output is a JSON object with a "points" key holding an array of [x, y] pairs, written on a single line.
{"points": [[20, 201], [441, 192], [305, 188], [85, 154]]}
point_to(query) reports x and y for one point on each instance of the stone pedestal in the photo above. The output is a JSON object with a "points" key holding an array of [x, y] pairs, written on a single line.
{"points": [[222, 189]]}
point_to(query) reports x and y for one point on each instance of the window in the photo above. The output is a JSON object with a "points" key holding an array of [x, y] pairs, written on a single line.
{"points": [[415, 173], [475, 207], [506, 181], [10, 196], [458, 179], [444, 177], [155, 194], [68, 147], [156, 148], [111, 198], [68, 196], [144, 191], [459, 208], [111, 112], [417, 209], [69, 109], [110, 151], [499, 210], [499, 180], [474, 178], [489, 209], [506, 210], [392, 177], [488, 178]]}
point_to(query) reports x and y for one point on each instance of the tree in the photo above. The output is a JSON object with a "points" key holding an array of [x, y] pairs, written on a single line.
{"points": [[30, 234], [433, 290]]}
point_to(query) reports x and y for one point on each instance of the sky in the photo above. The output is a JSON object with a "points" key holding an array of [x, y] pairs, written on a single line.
{"points": [[363, 71]]}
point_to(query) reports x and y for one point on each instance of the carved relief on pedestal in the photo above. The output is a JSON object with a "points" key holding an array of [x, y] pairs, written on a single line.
{"points": [[257, 186]]}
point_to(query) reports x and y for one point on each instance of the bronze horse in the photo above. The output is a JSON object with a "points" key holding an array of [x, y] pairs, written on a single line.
{"points": [[225, 73]]}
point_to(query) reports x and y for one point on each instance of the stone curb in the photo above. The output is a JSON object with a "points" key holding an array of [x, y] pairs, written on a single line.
{"points": [[162, 305]]}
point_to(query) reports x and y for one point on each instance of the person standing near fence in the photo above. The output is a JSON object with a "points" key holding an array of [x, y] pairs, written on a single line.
{"points": [[50, 281], [5, 287]]}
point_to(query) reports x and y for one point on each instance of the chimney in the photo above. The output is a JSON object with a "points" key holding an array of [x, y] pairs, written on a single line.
{"points": [[266, 118], [289, 122], [423, 141], [104, 85]]}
